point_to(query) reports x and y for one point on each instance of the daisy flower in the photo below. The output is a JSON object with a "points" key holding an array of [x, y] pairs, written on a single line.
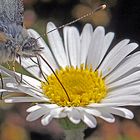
{"points": [[78, 78]]}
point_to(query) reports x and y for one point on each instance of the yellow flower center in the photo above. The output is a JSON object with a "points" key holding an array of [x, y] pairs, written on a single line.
{"points": [[81, 86]]}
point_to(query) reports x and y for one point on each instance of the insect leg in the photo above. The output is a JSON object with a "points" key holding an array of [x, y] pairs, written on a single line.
{"points": [[38, 61], [14, 69], [2, 85], [21, 76]]}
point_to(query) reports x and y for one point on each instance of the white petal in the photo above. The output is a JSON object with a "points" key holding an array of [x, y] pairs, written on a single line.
{"points": [[43, 106], [130, 99], [136, 83], [107, 116], [26, 89], [37, 114], [46, 51], [57, 112], [7, 90], [56, 45], [65, 34], [89, 120], [124, 91], [24, 100], [101, 113], [117, 58], [114, 104], [115, 49], [3, 90], [106, 43], [8, 80], [85, 42], [33, 108], [46, 119], [4, 93], [74, 116], [95, 48], [12, 74], [123, 112], [35, 35], [92, 111], [74, 46], [45, 67], [129, 63], [32, 82], [9, 73], [30, 64], [129, 79], [50, 106]]}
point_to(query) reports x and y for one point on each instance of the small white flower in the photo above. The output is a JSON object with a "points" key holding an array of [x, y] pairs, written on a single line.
{"points": [[92, 83]]}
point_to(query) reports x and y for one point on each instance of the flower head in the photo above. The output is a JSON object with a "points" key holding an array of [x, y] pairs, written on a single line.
{"points": [[76, 77]]}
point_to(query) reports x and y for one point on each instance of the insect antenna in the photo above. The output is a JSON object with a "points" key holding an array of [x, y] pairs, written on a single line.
{"points": [[55, 75], [58, 28], [102, 7]]}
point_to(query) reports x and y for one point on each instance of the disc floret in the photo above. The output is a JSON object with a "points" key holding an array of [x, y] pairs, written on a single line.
{"points": [[83, 86]]}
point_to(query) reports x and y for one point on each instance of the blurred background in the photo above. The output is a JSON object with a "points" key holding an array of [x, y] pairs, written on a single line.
{"points": [[121, 17]]}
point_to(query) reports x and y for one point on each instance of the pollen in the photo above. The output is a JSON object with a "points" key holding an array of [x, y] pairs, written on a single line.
{"points": [[82, 87]]}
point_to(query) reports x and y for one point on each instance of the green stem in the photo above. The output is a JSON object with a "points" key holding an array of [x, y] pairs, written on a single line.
{"points": [[74, 134]]}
